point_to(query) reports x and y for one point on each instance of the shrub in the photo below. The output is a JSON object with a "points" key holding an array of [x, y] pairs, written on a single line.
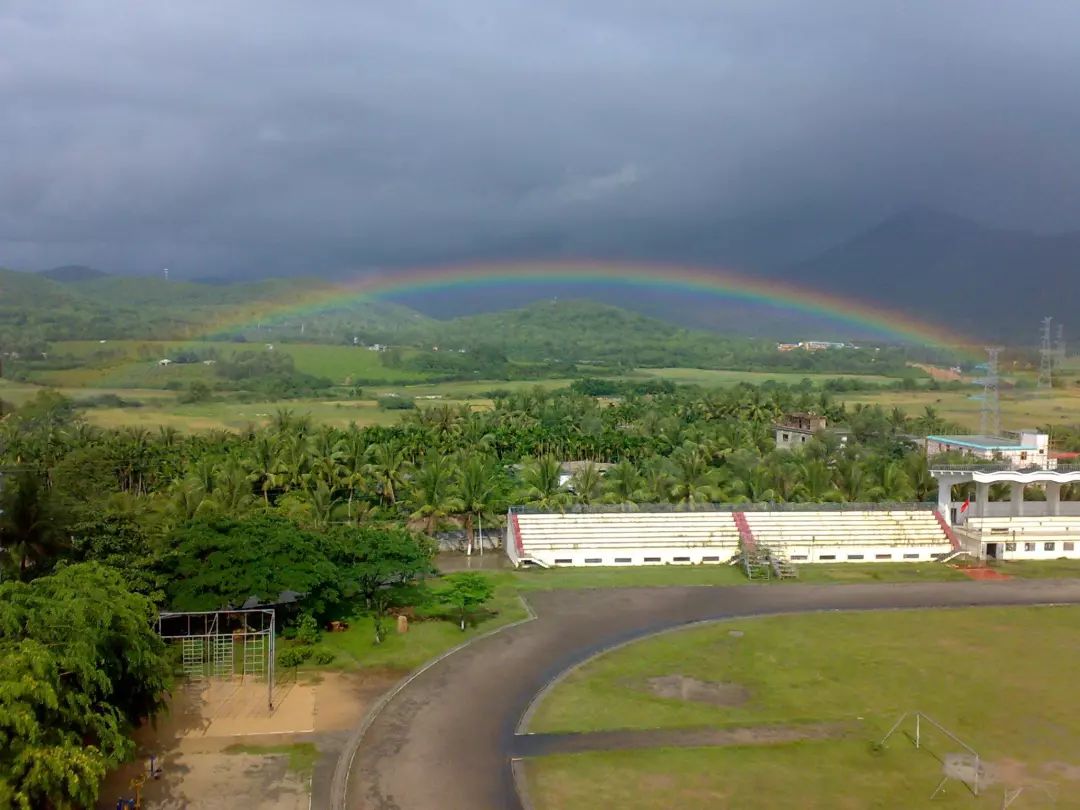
{"points": [[323, 655], [293, 656], [307, 630]]}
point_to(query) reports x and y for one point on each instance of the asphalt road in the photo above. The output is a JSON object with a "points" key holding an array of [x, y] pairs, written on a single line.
{"points": [[445, 741]]}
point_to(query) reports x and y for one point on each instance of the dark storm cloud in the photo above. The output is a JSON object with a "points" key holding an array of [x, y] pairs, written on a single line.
{"points": [[255, 136]]}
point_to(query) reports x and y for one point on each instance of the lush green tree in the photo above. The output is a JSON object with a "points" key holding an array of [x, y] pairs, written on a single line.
{"points": [[80, 663], [466, 592], [382, 564], [211, 563]]}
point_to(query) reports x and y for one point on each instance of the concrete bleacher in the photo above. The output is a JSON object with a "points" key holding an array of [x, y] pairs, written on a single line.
{"points": [[851, 535], [625, 538], [1042, 537]]}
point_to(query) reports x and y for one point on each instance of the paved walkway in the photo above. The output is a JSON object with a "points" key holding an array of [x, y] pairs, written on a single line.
{"points": [[445, 742]]}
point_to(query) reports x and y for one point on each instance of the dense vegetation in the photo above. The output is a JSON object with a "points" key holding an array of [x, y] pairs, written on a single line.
{"points": [[334, 521]]}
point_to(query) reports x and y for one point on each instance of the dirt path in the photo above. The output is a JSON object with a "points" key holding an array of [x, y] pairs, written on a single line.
{"points": [[538, 745], [445, 742]]}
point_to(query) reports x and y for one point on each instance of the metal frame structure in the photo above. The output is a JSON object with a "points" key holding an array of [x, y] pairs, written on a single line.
{"points": [[209, 639], [990, 413], [919, 719], [1046, 356]]}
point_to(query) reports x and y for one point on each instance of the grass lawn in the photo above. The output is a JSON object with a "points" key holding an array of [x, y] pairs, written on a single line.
{"points": [[1002, 679], [302, 756], [426, 639], [654, 576]]}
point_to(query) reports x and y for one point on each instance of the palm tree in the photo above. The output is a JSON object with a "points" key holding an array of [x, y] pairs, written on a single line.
{"points": [[31, 532], [433, 493], [541, 480], [352, 453], [693, 480], [586, 484], [387, 470], [265, 464], [481, 493], [624, 484]]}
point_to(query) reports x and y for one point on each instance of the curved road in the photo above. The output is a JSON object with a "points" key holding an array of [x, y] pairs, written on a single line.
{"points": [[445, 741]]}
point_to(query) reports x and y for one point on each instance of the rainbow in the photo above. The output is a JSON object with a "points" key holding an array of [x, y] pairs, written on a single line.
{"points": [[889, 325]]}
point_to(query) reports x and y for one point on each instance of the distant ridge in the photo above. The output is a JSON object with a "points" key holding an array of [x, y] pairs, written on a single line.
{"points": [[984, 280], [73, 273]]}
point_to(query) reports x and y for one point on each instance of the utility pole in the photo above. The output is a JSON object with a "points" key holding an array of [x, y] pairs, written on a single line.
{"points": [[990, 417], [1046, 356]]}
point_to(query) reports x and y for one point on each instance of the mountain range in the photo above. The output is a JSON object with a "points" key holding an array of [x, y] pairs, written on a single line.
{"points": [[991, 283]]}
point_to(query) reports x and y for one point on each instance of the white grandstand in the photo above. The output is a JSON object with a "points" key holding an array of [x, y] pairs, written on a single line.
{"points": [[721, 535], [621, 538], [852, 536]]}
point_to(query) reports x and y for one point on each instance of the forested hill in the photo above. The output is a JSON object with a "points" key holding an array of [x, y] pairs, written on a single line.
{"points": [[37, 308]]}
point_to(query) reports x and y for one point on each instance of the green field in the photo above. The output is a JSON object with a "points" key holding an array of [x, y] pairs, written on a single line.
{"points": [[1001, 679], [1019, 409], [133, 363], [715, 378]]}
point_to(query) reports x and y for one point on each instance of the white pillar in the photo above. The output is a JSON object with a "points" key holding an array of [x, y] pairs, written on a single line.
{"points": [[944, 498], [1016, 492], [982, 497], [1053, 499]]}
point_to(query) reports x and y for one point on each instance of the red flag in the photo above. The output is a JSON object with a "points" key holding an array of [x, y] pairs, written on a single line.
{"points": [[964, 506]]}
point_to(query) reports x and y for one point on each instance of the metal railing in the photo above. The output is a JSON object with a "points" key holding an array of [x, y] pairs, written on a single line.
{"points": [[631, 508], [998, 466]]}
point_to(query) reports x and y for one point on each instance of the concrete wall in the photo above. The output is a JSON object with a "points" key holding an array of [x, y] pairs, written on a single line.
{"points": [[1032, 549], [851, 552]]}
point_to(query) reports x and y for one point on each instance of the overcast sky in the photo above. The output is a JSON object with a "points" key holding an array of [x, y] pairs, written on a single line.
{"points": [[257, 136]]}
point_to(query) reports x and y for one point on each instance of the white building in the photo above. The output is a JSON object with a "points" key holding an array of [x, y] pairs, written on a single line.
{"points": [[1024, 448]]}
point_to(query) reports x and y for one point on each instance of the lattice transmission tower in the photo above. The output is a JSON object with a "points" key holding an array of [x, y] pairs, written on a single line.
{"points": [[1060, 347], [1046, 356], [990, 416]]}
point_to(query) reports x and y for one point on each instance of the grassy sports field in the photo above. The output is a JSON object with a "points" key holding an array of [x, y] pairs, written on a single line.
{"points": [[999, 678]]}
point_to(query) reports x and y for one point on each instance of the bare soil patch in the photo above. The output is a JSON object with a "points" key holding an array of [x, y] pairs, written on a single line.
{"points": [[715, 693]]}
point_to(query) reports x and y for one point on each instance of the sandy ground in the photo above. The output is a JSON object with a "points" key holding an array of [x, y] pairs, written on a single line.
{"points": [[192, 742]]}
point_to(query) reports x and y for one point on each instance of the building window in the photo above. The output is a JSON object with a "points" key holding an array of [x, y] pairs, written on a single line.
{"points": [[1029, 546], [1023, 456], [564, 561], [798, 556], [1067, 545], [593, 560], [652, 559], [710, 559], [786, 437], [854, 556], [883, 556], [826, 556], [622, 559], [681, 559], [1010, 546], [1049, 546], [911, 556]]}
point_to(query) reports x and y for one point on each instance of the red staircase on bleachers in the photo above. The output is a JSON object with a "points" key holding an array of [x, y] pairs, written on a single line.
{"points": [[945, 527], [745, 533]]}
